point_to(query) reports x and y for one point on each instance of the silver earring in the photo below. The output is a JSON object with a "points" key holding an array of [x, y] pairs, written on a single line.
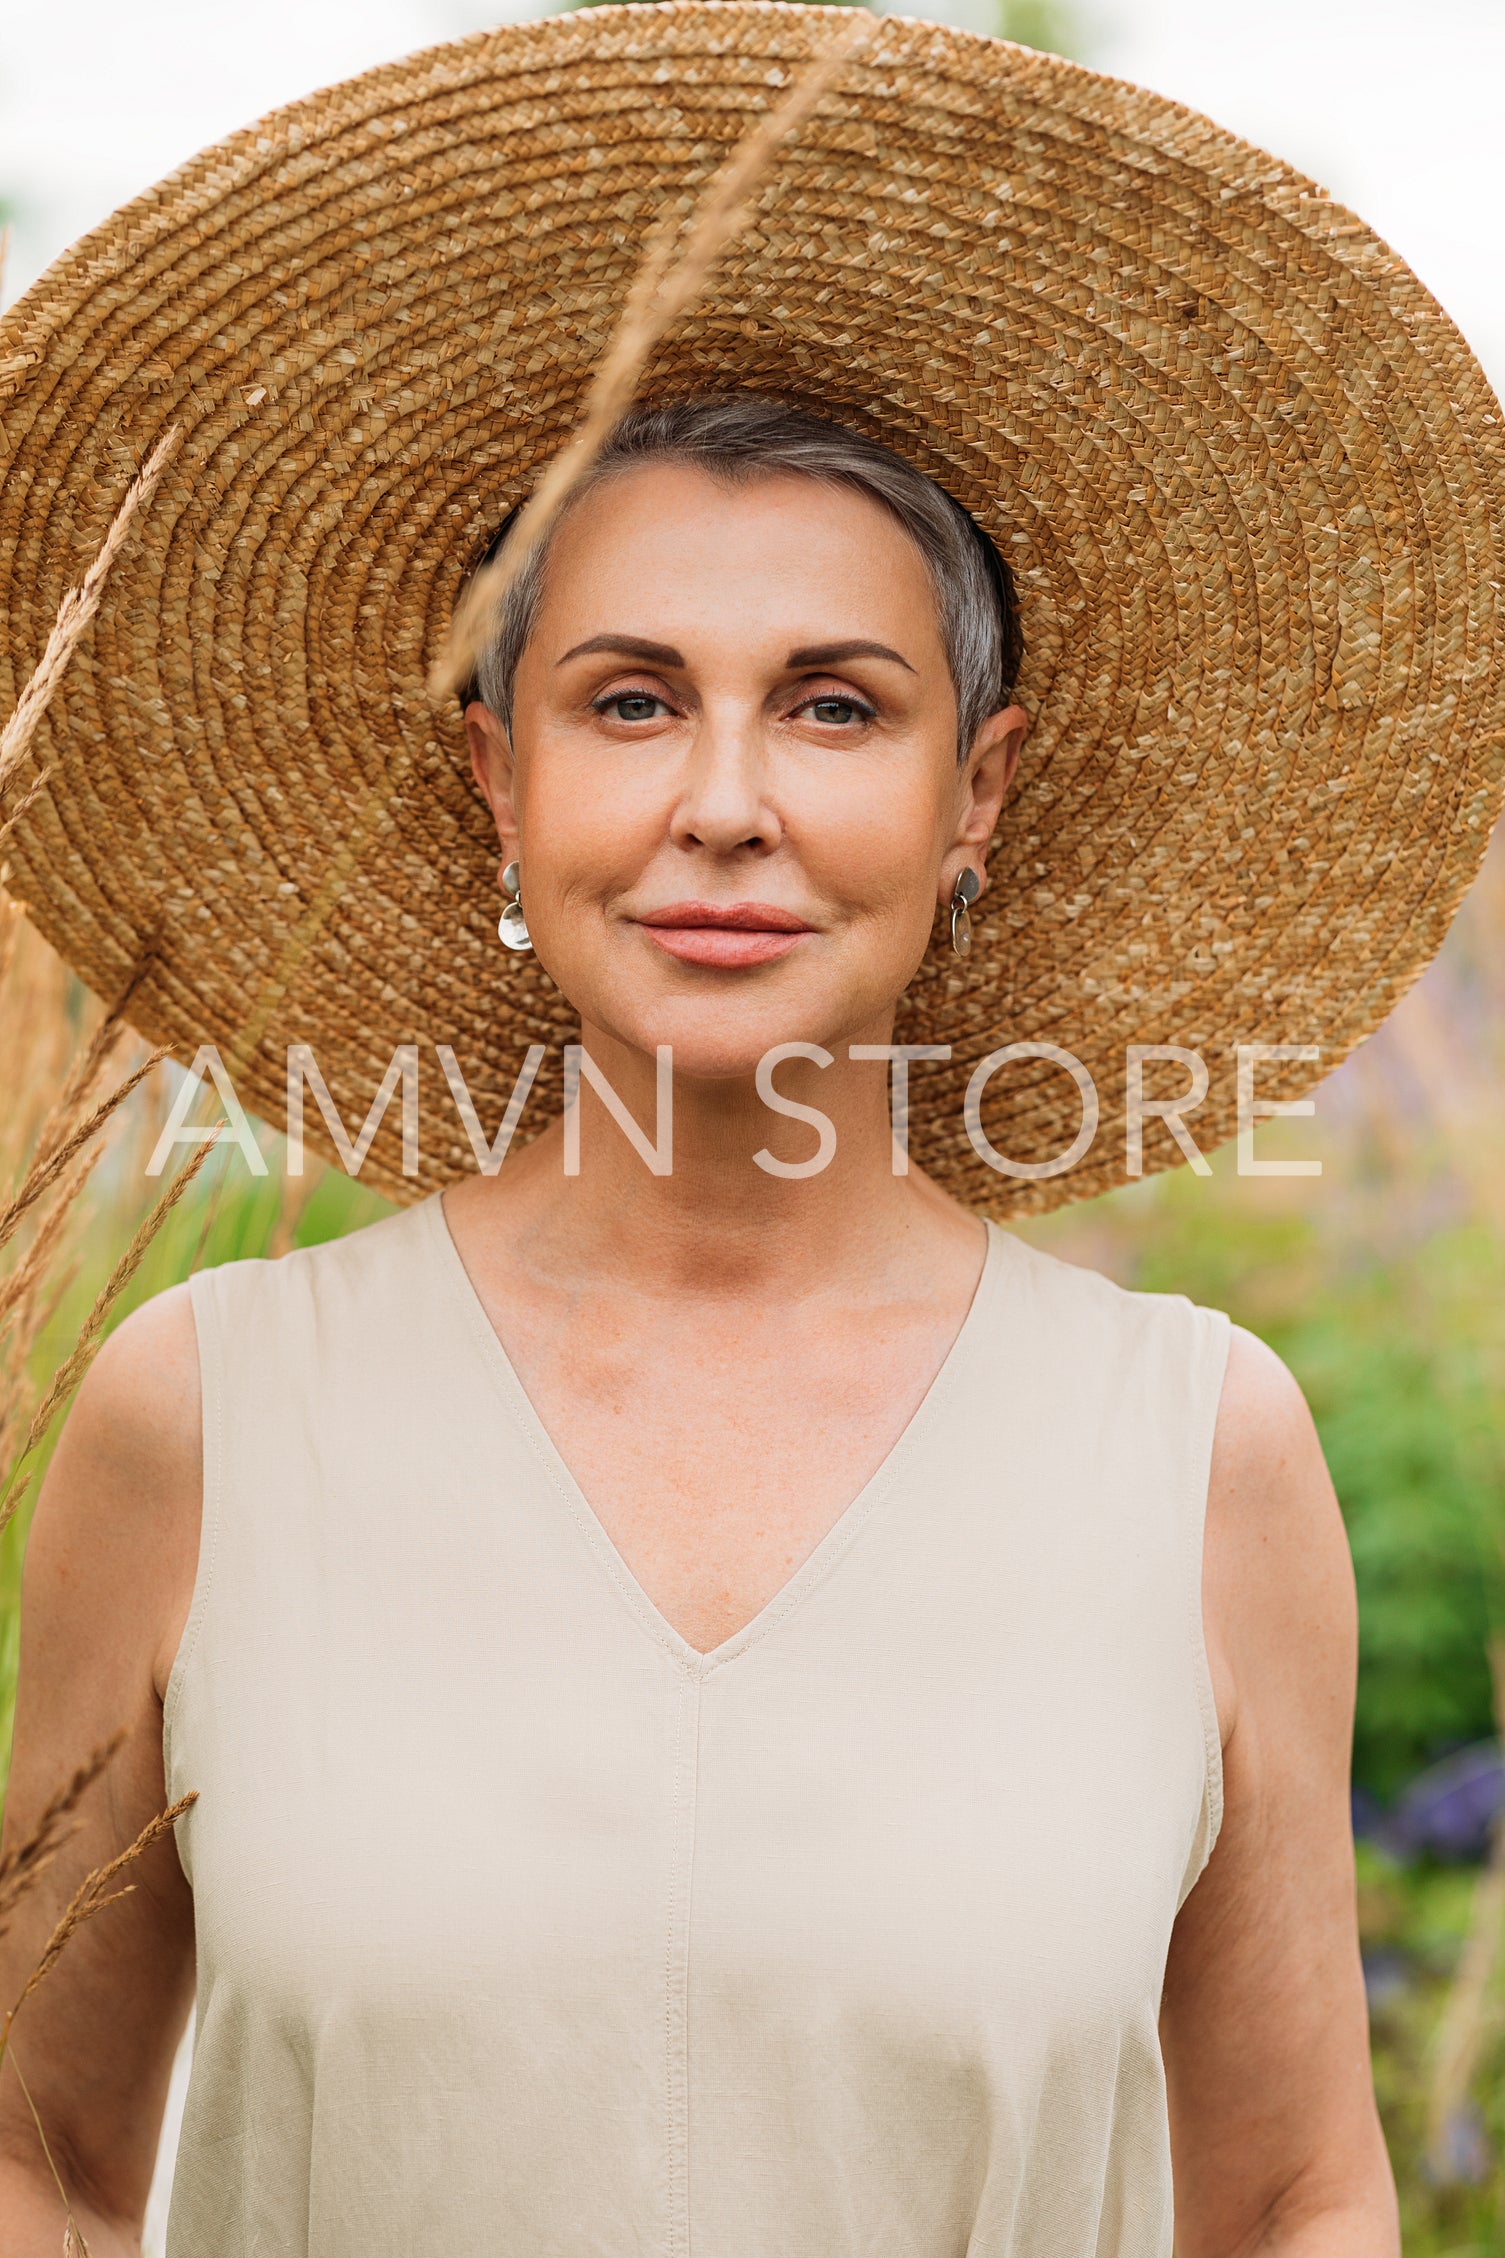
{"points": [[512, 926], [968, 887]]}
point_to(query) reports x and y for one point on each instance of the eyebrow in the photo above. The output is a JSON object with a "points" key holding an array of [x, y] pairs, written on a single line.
{"points": [[836, 654], [627, 647], [664, 654]]}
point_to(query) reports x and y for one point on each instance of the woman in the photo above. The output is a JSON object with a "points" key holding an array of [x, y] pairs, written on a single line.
{"points": [[734, 1705]]}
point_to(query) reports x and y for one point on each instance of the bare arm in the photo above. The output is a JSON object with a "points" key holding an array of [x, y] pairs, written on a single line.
{"points": [[1274, 2132], [109, 1572]]}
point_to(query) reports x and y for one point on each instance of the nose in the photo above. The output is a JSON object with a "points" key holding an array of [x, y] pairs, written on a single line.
{"points": [[724, 803]]}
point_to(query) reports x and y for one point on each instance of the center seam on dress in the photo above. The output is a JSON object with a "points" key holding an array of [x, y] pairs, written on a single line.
{"points": [[677, 1960]]}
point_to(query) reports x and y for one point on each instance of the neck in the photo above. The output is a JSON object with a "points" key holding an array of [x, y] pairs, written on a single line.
{"points": [[721, 1219]]}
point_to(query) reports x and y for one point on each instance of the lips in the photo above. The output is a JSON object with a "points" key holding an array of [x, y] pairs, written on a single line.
{"points": [[730, 934]]}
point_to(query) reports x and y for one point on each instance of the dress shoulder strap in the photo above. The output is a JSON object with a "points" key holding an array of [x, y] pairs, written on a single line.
{"points": [[1117, 1402], [314, 1369]]}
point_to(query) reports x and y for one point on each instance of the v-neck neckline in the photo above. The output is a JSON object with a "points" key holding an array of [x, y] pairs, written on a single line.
{"points": [[817, 1564]]}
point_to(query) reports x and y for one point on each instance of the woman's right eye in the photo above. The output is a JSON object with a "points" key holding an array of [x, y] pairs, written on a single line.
{"points": [[632, 705]]}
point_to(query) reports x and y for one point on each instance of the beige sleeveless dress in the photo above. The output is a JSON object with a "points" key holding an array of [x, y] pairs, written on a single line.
{"points": [[524, 1931]]}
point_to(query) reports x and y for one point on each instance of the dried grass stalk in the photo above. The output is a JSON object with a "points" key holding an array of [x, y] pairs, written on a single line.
{"points": [[19, 1288], [12, 916], [45, 1171], [73, 1368], [93, 1894], [75, 613], [65, 1115], [73, 2233], [29, 1299], [32, 792], [34, 1053], [22, 1867], [660, 294], [13, 1494], [36, 1040]]}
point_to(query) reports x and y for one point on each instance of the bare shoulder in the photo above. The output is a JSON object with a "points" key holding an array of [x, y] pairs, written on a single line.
{"points": [[1277, 1582], [1263, 1417], [114, 1543], [135, 1422]]}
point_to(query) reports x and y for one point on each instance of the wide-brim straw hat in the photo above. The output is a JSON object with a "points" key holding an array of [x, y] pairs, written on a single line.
{"points": [[1247, 477]]}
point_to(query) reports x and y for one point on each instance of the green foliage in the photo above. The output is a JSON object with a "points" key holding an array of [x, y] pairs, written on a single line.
{"points": [[1050, 25], [1418, 1921], [1389, 1420]]}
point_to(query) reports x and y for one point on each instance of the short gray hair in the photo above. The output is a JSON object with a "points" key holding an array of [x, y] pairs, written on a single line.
{"points": [[745, 435]]}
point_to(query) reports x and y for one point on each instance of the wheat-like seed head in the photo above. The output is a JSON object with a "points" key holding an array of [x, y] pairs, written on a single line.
{"points": [[21, 1866], [74, 1366], [93, 1894], [51, 1165]]}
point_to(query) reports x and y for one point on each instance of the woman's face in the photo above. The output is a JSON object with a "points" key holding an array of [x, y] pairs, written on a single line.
{"points": [[732, 785]]}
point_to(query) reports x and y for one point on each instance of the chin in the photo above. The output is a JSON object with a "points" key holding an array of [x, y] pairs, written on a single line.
{"points": [[721, 1039], [720, 1024], [715, 1054]]}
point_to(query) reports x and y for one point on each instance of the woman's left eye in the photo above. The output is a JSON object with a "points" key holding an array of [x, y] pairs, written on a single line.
{"points": [[837, 710]]}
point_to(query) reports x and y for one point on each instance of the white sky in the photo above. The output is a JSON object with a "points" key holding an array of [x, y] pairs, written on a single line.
{"points": [[1394, 105]]}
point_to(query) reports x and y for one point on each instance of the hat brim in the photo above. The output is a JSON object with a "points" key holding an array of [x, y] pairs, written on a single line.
{"points": [[1246, 475]]}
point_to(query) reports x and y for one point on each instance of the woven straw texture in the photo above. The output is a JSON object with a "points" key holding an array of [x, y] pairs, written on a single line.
{"points": [[1246, 474]]}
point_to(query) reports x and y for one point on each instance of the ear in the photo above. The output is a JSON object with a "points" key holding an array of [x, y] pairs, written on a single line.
{"points": [[491, 765], [985, 776]]}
